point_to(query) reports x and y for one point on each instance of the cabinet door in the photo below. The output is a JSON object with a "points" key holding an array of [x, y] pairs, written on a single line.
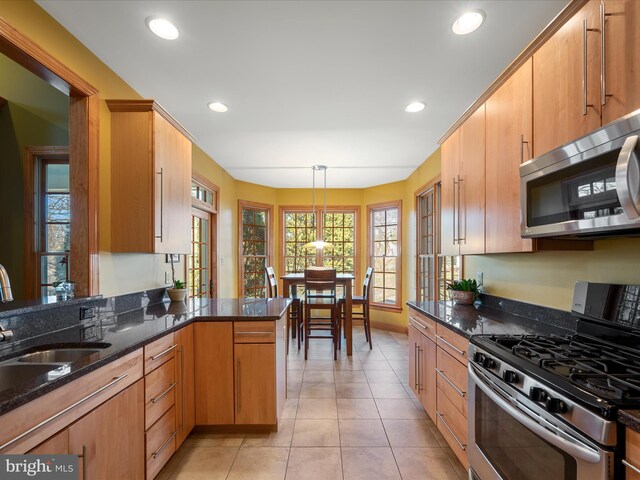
{"points": [[255, 380], [450, 168], [428, 366], [58, 444], [509, 142], [172, 153], [185, 398], [111, 437], [471, 184], [213, 343], [414, 345], [559, 79], [622, 58]]}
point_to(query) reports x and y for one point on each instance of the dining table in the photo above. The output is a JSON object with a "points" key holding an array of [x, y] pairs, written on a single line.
{"points": [[345, 279]]}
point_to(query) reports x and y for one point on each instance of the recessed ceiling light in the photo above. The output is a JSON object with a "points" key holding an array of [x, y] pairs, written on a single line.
{"points": [[163, 28], [468, 22], [218, 107], [414, 107]]}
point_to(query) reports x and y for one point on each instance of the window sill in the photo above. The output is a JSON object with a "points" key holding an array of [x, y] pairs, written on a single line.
{"points": [[385, 308]]}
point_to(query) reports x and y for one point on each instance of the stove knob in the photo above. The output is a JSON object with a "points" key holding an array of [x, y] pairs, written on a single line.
{"points": [[478, 358], [510, 376], [488, 362], [555, 405], [537, 394]]}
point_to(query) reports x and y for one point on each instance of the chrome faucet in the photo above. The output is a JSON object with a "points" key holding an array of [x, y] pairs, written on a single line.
{"points": [[5, 286]]}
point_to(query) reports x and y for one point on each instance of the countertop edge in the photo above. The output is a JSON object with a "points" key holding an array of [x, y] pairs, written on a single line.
{"points": [[439, 320], [630, 419]]}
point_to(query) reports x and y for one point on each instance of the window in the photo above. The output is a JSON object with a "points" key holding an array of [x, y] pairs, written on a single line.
{"points": [[339, 227], [384, 227], [255, 247], [433, 270], [54, 224], [201, 264]]}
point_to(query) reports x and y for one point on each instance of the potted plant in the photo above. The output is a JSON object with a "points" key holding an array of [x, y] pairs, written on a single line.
{"points": [[178, 290], [463, 292]]}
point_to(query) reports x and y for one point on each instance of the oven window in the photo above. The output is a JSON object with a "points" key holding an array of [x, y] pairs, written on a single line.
{"points": [[583, 191], [515, 451]]}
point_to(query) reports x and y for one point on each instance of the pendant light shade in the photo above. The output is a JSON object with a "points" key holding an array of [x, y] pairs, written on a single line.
{"points": [[319, 244]]}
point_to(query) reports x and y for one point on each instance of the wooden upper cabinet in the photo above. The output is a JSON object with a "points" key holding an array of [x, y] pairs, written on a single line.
{"points": [[566, 90], [150, 179], [509, 142], [450, 168], [622, 58], [471, 186]]}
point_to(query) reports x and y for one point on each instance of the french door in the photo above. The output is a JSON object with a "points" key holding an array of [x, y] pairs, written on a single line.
{"points": [[201, 272]]}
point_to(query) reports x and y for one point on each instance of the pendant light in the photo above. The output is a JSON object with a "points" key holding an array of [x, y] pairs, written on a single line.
{"points": [[319, 243]]}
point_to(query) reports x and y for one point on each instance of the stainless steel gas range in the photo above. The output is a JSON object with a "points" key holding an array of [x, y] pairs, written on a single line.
{"points": [[544, 406]]}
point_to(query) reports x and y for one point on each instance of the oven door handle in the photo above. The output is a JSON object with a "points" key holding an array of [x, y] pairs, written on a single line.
{"points": [[628, 178], [576, 449]]}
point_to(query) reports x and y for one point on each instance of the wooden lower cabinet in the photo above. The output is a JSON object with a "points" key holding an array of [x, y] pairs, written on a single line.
{"points": [[422, 369], [161, 443], [255, 386], [111, 437], [453, 427], [632, 454], [185, 393]]}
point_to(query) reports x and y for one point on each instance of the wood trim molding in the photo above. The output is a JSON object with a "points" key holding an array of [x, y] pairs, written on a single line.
{"points": [[31, 155], [569, 11], [270, 236], [34, 58], [378, 206], [206, 183], [83, 151], [389, 327], [148, 106]]}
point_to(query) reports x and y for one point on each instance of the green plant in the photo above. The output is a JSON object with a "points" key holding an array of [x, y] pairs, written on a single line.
{"points": [[464, 285], [179, 284]]}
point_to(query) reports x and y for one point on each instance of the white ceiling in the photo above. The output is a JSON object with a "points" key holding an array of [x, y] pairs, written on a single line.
{"points": [[309, 82]]}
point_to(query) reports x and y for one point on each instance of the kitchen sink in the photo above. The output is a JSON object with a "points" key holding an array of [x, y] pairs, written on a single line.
{"points": [[58, 355], [16, 374]]}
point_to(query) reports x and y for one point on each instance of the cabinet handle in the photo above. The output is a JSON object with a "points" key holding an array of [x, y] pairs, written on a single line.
{"points": [[164, 445], [159, 397], [161, 173], [441, 417], [85, 462], [418, 324], [62, 412], [450, 345], [523, 142], [181, 350], [603, 53], [453, 224], [584, 65], [461, 239], [419, 371], [164, 352], [460, 392], [238, 384], [632, 467]]}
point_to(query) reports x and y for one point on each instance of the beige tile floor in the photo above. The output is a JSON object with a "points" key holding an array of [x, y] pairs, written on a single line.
{"points": [[352, 419]]}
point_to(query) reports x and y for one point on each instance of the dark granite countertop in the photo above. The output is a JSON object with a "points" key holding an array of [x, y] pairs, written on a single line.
{"points": [[630, 418], [123, 333], [477, 319]]}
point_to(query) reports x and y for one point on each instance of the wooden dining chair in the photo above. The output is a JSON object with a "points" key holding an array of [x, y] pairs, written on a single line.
{"points": [[320, 294], [295, 313], [360, 301]]}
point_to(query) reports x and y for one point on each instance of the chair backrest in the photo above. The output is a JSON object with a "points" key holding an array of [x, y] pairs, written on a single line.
{"points": [[272, 282], [318, 282], [366, 285]]}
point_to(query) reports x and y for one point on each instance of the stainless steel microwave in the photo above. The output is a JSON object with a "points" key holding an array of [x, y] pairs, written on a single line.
{"points": [[588, 188]]}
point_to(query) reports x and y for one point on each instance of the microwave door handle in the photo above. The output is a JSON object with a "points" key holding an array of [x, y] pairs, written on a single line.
{"points": [[628, 178], [574, 448]]}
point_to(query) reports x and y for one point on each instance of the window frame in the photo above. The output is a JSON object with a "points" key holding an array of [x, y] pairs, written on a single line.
{"points": [[438, 258], [256, 206], [355, 209], [371, 210]]}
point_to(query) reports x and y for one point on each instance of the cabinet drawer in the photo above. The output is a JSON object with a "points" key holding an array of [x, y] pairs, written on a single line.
{"points": [[452, 380], [454, 344], [632, 454], [254, 332], [423, 324], [453, 427], [159, 392], [159, 352], [161, 443]]}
